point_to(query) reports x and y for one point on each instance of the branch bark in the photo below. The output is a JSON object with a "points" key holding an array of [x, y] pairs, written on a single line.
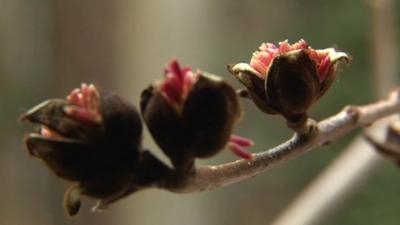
{"points": [[326, 131]]}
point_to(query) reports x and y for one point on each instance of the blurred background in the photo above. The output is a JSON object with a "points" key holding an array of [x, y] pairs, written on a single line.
{"points": [[47, 48]]}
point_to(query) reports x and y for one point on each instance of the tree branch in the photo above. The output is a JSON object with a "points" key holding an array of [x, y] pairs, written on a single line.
{"points": [[351, 117]]}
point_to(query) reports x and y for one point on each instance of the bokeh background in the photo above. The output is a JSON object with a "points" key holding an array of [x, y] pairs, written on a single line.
{"points": [[49, 47]]}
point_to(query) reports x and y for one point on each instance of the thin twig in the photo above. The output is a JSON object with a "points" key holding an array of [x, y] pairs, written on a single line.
{"points": [[350, 118]]}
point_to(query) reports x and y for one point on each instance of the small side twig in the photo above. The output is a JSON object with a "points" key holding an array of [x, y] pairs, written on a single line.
{"points": [[387, 142]]}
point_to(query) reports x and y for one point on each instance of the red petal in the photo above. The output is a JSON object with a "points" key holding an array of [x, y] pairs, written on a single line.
{"points": [[175, 69], [242, 141], [171, 92], [284, 47], [268, 47], [323, 68], [240, 151], [73, 96], [82, 114], [301, 44], [259, 67]]}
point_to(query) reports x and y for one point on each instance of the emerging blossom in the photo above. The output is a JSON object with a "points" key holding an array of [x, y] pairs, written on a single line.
{"points": [[288, 78], [92, 139], [267, 52], [86, 104], [237, 144], [191, 114], [178, 83]]}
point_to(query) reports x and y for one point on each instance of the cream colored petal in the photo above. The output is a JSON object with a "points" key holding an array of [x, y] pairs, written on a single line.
{"points": [[245, 68], [334, 55]]}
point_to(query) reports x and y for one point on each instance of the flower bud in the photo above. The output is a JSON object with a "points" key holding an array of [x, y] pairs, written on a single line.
{"points": [[190, 114], [287, 79], [92, 139]]}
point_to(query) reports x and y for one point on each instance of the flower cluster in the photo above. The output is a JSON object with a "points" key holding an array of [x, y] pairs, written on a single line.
{"points": [[94, 138], [287, 79]]}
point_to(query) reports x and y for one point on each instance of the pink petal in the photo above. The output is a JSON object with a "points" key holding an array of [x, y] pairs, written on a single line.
{"points": [[284, 47], [171, 92], [263, 57], [85, 95], [314, 56], [240, 151], [46, 132], [175, 69], [268, 47], [178, 82], [323, 68], [186, 70], [73, 96], [94, 98], [174, 82], [82, 114], [80, 99], [189, 79], [259, 67], [242, 141], [301, 44]]}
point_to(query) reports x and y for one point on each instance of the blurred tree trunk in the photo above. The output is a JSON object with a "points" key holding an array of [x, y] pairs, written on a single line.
{"points": [[26, 192], [47, 48], [84, 46]]}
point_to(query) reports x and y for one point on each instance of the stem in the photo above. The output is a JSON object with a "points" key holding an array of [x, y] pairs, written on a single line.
{"points": [[350, 118]]}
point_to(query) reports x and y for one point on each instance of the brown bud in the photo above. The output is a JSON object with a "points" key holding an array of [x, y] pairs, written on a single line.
{"points": [[292, 84], [287, 79], [94, 140], [197, 123]]}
